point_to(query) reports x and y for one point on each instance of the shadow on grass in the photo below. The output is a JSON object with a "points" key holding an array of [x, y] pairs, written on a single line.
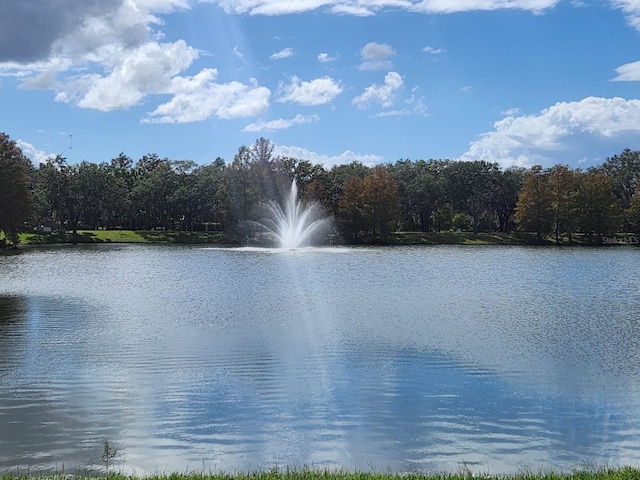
{"points": [[193, 238], [465, 238]]}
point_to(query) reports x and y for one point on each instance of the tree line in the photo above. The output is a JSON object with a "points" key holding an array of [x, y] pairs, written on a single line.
{"points": [[367, 203]]}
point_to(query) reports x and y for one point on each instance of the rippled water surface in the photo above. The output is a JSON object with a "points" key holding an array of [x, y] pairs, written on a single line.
{"points": [[489, 358]]}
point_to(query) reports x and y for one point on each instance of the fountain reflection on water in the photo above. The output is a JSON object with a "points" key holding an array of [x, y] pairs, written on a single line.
{"points": [[293, 223]]}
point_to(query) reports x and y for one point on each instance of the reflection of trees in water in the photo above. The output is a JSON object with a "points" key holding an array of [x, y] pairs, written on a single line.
{"points": [[13, 311]]}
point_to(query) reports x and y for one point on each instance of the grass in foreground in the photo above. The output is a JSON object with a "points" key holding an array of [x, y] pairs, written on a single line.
{"points": [[626, 473]]}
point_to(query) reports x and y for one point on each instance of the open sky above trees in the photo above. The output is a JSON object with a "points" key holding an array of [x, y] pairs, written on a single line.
{"points": [[518, 82]]}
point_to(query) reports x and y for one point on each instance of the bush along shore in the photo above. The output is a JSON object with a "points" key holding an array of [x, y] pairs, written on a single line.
{"points": [[626, 473]]}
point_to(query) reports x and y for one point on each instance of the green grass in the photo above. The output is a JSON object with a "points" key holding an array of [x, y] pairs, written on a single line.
{"points": [[124, 236], [311, 474]]}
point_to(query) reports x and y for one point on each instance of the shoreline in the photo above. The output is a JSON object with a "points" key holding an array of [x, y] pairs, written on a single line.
{"points": [[395, 239]]}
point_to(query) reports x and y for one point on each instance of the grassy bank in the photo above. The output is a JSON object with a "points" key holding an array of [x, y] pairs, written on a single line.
{"points": [[125, 236], [605, 474], [398, 238]]}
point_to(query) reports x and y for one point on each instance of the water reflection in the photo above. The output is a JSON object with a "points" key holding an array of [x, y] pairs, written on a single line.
{"points": [[408, 359]]}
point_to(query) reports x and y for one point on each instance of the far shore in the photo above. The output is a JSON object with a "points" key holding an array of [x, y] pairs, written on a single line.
{"points": [[395, 239]]}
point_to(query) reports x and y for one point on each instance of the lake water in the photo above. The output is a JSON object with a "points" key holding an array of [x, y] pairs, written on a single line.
{"points": [[495, 359]]}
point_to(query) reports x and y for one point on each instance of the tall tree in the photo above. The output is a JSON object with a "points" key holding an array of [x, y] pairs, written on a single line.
{"points": [[633, 212], [598, 211], [470, 187], [419, 193], [624, 172], [15, 197], [534, 210], [563, 185], [241, 190], [508, 185], [380, 202]]}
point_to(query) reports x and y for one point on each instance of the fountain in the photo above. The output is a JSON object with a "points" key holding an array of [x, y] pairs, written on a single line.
{"points": [[292, 223]]}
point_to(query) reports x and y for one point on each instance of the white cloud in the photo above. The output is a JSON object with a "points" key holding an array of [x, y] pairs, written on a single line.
{"points": [[133, 75], [394, 113], [453, 6], [284, 53], [326, 58], [108, 55], [200, 97], [381, 94], [565, 126], [32, 153], [414, 106], [432, 50], [631, 8], [316, 92], [353, 10], [375, 56], [328, 161], [629, 72], [370, 7], [511, 112], [280, 124], [237, 53]]}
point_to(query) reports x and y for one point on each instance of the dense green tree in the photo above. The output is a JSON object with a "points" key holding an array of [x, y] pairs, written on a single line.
{"points": [[624, 172], [419, 193], [15, 197], [118, 201], [632, 214], [470, 188], [597, 208], [508, 185], [241, 191], [155, 183]]}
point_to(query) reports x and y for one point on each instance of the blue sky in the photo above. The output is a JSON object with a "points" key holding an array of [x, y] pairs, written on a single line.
{"points": [[517, 82]]}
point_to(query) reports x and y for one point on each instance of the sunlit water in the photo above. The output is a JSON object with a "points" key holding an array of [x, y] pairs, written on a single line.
{"points": [[496, 359]]}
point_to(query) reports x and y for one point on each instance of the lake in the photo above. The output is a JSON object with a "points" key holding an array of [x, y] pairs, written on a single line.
{"points": [[492, 359]]}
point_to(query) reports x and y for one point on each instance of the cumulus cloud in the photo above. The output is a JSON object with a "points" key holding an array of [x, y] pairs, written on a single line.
{"points": [[370, 7], [375, 56], [133, 75], [380, 94], [284, 53], [316, 92], [200, 97], [280, 124], [629, 72], [108, 55], [328, 161], [566, 126], [32, 153]]}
